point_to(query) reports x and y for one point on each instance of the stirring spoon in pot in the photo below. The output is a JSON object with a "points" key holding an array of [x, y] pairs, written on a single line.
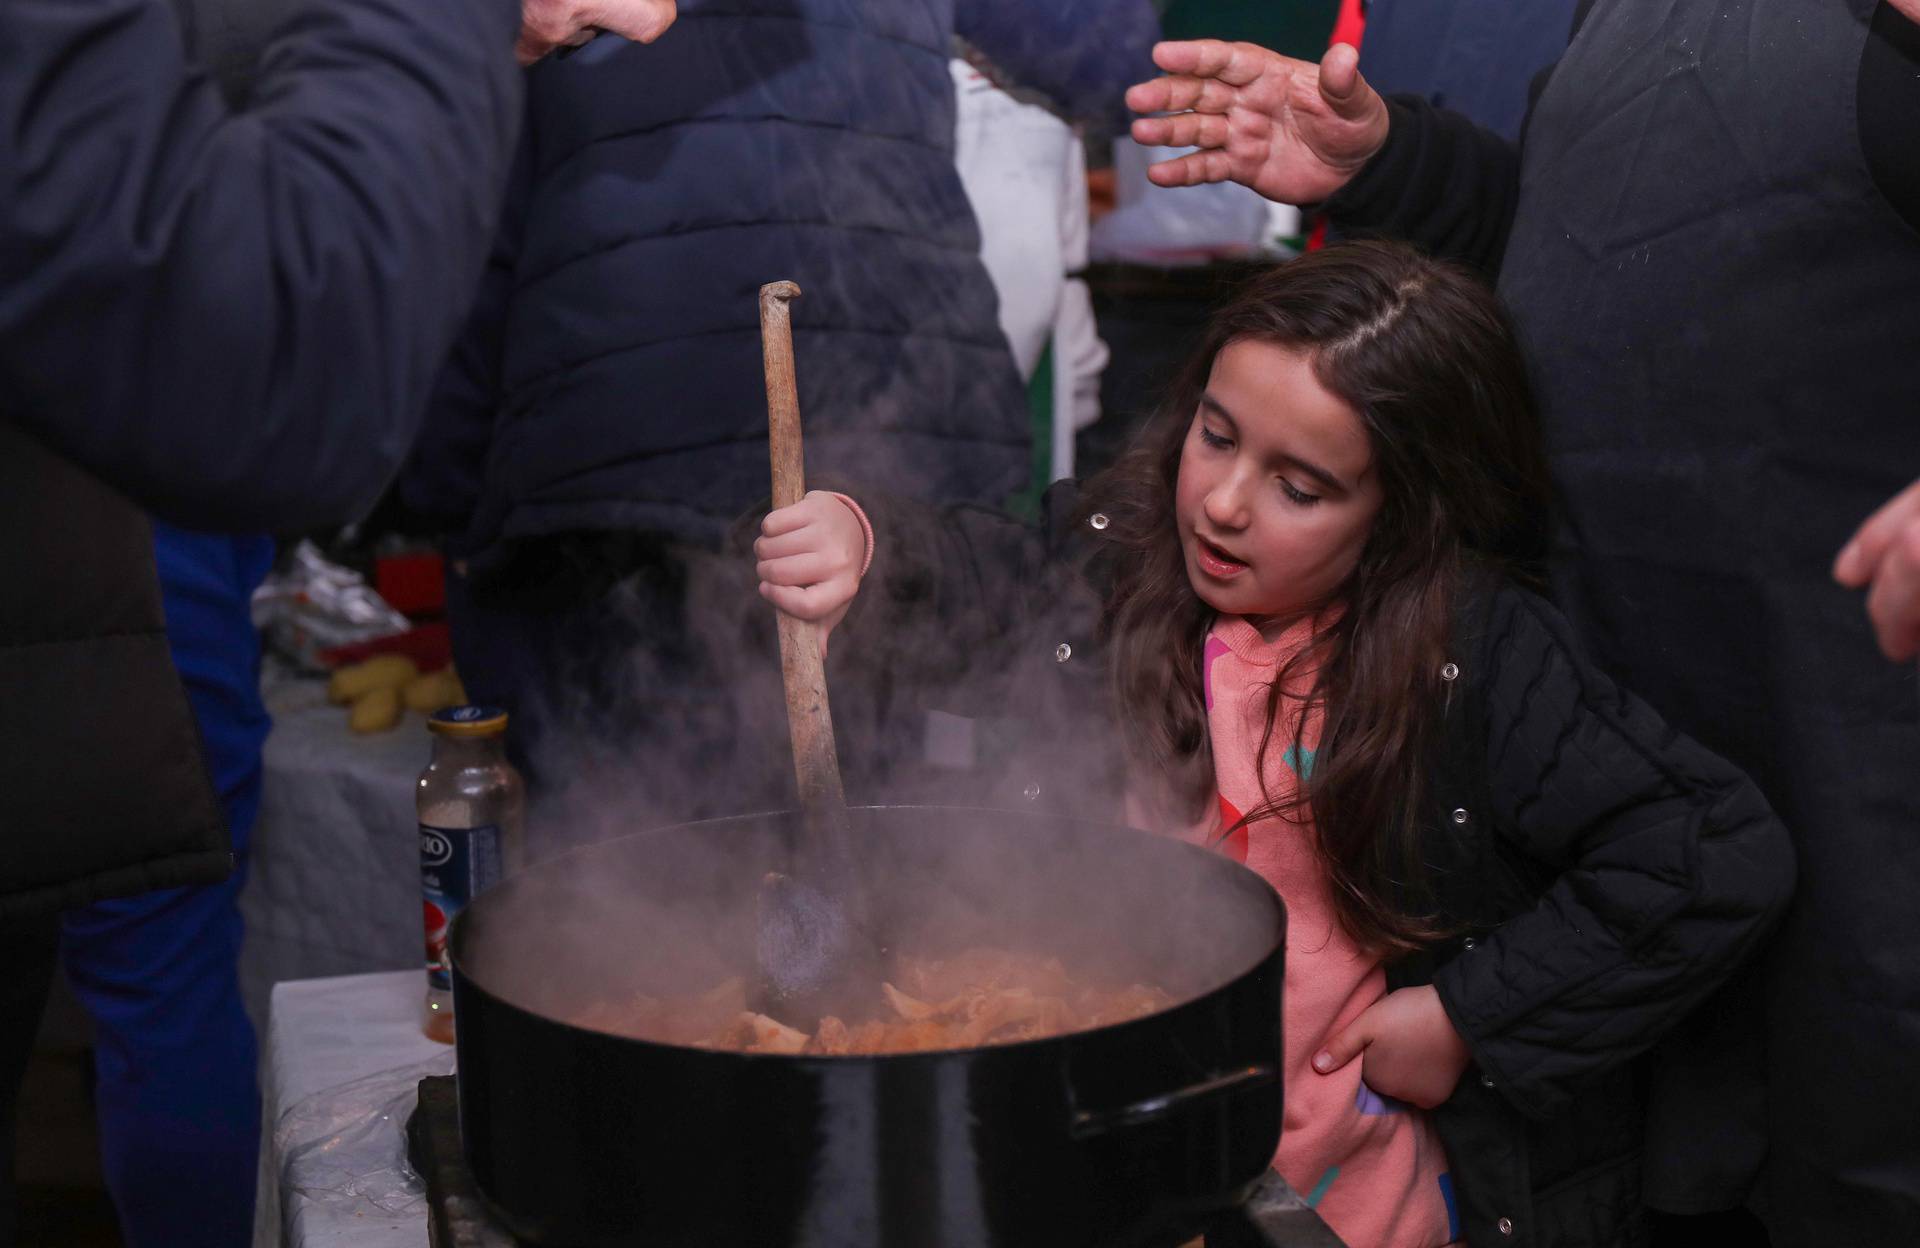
{"points": [[815, 950]]}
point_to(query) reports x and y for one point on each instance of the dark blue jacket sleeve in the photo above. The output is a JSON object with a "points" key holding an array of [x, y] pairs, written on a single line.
{"points": [[440, 489], [235, 318], [1082, 54]]}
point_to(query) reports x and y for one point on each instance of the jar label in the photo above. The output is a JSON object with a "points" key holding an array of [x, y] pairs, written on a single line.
{"points": [[456, 865]]}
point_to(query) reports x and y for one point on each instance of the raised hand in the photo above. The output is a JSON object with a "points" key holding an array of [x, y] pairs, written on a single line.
{"points": [[1408, 1048], [1294, 131], [549, 24]]}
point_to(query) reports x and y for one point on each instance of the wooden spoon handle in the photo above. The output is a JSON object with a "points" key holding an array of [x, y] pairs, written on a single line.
{"points": [[816, 763]]}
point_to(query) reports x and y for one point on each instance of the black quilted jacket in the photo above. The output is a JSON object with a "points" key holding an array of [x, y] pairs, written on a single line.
{"points": [[1608, 871]]}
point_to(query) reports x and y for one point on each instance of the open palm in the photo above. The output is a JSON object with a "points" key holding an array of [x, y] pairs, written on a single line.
{"points": [[1294, 131]]}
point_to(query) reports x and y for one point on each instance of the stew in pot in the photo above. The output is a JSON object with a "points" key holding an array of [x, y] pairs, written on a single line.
{"points": [[978, 997]]}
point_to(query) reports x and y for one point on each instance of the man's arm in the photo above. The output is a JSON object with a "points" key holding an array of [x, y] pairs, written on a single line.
{"points": [[235, 318], [1306, 134], [1441, 182]]}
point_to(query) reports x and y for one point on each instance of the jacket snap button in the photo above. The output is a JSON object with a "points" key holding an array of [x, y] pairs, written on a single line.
{"points": [[1505, 1225], [1450, 672], [1062, 652], [1099, 520], [1460, 814], [1486, 1081], [1468, 943], [1032, 791]]}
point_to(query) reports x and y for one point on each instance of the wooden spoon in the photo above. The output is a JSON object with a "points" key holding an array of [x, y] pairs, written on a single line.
{"points": [[815, 949]]}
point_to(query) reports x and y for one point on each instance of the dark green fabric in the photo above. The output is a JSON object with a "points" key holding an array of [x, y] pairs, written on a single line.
{"points": [[1026, 504], [1295, 27]]}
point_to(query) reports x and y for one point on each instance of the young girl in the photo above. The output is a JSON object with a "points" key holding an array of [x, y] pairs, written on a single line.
{"points": [[1287, 625]]}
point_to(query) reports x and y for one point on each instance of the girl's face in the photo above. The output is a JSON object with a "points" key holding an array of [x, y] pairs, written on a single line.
{"points": [[1277, 491]]}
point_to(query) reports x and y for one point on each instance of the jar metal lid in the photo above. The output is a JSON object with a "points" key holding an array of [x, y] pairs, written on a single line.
{"points": [[468, 721]]}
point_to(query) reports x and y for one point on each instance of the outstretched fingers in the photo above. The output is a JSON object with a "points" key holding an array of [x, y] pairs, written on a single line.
{"points": [[1193, 169], [1181, 130], [1179, 93], [1236, 64]]}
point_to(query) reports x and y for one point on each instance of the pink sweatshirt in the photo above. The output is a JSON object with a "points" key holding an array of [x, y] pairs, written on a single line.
{"points": [[1373, 1168]]}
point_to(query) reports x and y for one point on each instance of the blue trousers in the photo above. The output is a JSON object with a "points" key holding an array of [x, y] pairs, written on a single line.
{"points": [[177, 1093], [177, 1090]]}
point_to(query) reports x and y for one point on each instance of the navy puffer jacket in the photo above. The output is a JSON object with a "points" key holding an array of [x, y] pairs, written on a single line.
{"points": [[614, 382]]}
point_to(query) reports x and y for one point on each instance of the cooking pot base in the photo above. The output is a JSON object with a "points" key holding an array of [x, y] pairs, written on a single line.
{"points": [[1274, 1216]]}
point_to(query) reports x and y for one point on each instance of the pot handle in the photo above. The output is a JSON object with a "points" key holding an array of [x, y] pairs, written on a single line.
{"points": [[1087, 1123]]}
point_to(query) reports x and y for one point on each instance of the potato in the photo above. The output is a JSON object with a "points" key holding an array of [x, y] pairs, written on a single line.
{"points": [[422, 693], [435, 691], [383, 671], [375, 711]]}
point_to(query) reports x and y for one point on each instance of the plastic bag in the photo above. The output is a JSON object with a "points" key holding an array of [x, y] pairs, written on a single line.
{"points": [[311, 604], [344, 1175]]}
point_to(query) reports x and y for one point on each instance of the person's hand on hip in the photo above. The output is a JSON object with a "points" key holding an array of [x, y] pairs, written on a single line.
{"points": [[549, 24], [1294, 131], [1407, 1046], [1883, 557]]}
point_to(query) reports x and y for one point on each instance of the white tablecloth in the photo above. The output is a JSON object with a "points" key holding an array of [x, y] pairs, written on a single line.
{"points": [[340, 1063], [334, 883]]}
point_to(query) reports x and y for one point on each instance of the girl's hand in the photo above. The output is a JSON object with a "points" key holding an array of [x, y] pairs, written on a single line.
{"points": [[810, 557], [1412, 1052], [1294, 131]]}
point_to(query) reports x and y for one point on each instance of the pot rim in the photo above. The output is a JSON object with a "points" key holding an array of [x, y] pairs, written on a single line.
{"points": [[1269, 894]]}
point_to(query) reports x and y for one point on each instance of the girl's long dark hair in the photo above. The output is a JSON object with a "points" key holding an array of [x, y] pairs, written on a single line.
{"points": [[1423, 353]]}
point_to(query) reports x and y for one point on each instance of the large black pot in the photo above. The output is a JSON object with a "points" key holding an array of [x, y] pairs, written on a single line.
{"points": [[1131, 1134]]}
